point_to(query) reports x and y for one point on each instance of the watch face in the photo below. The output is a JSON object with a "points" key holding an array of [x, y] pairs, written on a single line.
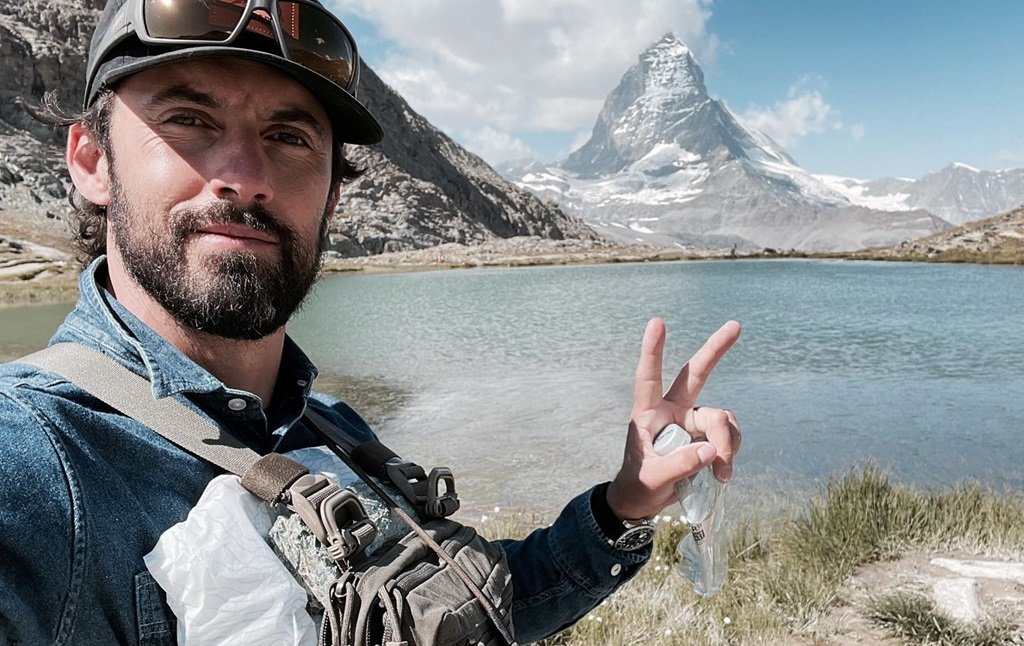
{"points": [[635, 537]]}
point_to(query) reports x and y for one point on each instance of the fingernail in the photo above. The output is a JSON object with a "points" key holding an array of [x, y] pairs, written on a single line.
{"points": [[724, 473], [706, 453]]}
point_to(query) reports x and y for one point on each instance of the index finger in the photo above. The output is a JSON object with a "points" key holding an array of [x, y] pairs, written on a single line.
{"points": [[695, 372], [647, 388]]}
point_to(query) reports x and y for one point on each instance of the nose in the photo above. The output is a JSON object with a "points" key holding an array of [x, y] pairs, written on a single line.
{"points": [[241, 171]]}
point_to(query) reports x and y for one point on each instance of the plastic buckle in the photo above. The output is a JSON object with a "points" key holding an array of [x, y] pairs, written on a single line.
{"points": [[334, 515], [441, 505], [410, 479]]}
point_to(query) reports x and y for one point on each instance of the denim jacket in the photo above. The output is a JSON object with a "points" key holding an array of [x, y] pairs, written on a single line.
{"points": [[86, 492]]}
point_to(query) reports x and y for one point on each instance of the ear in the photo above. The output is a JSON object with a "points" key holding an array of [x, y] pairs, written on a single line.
{"points": [[333, 198], [87, 165]]}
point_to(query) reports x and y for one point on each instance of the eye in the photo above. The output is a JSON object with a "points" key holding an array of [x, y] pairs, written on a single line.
{"points": [[291, 138], [185, 120]]}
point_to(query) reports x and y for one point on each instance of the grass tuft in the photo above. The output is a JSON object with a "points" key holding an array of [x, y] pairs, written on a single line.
{"points": [[786, 574], [914, 618]]}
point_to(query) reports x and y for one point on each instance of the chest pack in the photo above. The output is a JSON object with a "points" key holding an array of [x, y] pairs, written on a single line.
{"points": [[441, 584]]}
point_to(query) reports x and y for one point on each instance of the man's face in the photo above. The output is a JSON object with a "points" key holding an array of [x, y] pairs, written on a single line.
{"points": [[220, 181]]}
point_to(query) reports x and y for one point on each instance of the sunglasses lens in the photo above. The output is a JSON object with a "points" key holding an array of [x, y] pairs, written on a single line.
{"points": [[317, 41], [210, 20], [313, 38]]}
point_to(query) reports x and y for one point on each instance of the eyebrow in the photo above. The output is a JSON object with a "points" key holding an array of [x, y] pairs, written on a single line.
{"points": [[298, 115], [183, 92]]}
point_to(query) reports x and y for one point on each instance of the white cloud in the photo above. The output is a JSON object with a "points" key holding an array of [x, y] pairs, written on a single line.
{"points": [[494, 145], [803, 112], [521, 65]]}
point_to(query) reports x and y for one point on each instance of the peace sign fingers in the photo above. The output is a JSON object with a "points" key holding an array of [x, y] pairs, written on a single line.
{"points": [[647, 388], [695, 372]]}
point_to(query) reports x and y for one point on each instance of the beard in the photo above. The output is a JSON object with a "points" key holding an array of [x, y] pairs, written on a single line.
{"points": [[237, 295]]}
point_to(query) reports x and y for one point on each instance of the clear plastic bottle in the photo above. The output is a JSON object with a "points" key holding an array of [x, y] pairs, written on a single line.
{"points": [[704, 552]]}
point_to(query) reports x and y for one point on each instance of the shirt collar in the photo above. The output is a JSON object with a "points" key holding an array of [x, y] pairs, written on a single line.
{"points": [[99, 320]]}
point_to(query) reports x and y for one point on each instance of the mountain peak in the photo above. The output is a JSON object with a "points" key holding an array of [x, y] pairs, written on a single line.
{"points": [[668, 65], [657, 101], [963, 166], [669, 44]]}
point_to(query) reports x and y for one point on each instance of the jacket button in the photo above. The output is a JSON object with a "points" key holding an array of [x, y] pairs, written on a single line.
{"points": [[616, 569], [237, 404]]}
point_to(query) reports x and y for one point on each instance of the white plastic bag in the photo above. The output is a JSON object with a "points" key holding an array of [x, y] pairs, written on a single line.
{"points": [[224, 583]]}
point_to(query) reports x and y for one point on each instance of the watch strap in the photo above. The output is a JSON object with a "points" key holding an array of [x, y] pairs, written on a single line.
{"points": [[610, 524], [640, 532]]}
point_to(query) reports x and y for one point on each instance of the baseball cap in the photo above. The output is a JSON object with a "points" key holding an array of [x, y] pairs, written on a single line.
{"points": [[124, 44]]}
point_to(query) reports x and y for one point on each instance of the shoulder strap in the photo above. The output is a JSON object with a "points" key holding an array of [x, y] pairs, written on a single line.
{"points": [[334, 515], [433, 495], [267, 476]]}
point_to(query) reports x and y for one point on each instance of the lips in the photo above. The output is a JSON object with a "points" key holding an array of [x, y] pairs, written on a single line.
{"points": [[239, 232]]}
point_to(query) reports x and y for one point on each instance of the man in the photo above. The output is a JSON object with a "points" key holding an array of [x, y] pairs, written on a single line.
{"points": [[208, 164]]}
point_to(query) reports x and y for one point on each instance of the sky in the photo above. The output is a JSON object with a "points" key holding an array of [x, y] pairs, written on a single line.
{"points": [[859, 88]]}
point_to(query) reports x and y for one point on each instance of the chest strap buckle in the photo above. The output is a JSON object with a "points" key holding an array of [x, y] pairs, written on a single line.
{"points": [[334, 515], [441, 505], [422, 490]]}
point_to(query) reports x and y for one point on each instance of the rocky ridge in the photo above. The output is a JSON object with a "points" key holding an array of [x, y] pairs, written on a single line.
{"points": [[421, 189], [998, 239], [956, 193]]}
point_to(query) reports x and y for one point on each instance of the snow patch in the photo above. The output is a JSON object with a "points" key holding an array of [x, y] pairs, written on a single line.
{"points": [[857, 192]]}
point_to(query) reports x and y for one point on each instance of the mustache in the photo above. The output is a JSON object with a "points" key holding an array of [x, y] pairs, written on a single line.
{"points": [[190, 220]]}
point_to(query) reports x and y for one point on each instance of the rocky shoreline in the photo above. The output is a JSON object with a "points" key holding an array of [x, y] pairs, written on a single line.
{"points": [[521, 251], [45, 271]]}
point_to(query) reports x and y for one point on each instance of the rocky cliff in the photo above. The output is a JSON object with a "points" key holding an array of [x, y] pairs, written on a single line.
{"points": [[420, 188]]}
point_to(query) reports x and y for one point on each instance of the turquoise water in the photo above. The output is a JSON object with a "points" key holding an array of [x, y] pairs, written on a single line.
{"points": [[521, 379]]}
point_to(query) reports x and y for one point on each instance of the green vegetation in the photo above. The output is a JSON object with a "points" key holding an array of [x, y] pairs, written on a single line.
{"points": [[1011, 253], [787, 576], [915, 619]]}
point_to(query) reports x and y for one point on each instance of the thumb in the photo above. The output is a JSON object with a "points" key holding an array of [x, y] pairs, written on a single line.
{"points": [[686, 461]]}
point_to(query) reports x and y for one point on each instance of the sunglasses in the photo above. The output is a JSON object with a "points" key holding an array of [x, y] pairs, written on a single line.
{"points": [[306, 32]]}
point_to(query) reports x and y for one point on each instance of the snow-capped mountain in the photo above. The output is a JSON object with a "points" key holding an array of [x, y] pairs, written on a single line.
{"points": [[668, 164], [958, 193]]}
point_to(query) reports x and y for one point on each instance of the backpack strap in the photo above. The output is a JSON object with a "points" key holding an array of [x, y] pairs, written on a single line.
{"points": [[422, 491], [334, 515]]}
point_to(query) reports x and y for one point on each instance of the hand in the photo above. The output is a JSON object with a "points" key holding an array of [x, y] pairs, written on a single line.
{"points": [[644, 484]]}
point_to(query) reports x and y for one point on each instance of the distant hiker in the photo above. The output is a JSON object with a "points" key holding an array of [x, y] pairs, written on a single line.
{"points": [[207, 164]]}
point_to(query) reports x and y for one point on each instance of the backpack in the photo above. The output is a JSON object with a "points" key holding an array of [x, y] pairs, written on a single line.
{"points": [[442, 584]]}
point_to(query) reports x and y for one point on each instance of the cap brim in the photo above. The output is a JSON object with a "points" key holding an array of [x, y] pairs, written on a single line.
{"points": [[350, 121]]}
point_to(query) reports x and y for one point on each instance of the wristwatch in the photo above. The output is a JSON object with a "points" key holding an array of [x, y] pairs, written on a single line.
{"points": [[625, 535], [636, 535]]}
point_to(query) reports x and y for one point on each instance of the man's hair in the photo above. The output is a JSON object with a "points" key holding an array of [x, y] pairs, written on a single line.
{"points": [[90, 226]]}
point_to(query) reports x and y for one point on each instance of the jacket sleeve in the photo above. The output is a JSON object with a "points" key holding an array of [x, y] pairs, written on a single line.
{"points": [[37, 529], [561, 572]]}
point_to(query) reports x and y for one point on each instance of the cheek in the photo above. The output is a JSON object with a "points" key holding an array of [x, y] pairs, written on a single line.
{"points": [[303, 199], [156, 179]]}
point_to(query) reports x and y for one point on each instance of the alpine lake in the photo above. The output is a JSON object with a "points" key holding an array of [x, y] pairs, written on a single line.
{"points": [[520, 380]]}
